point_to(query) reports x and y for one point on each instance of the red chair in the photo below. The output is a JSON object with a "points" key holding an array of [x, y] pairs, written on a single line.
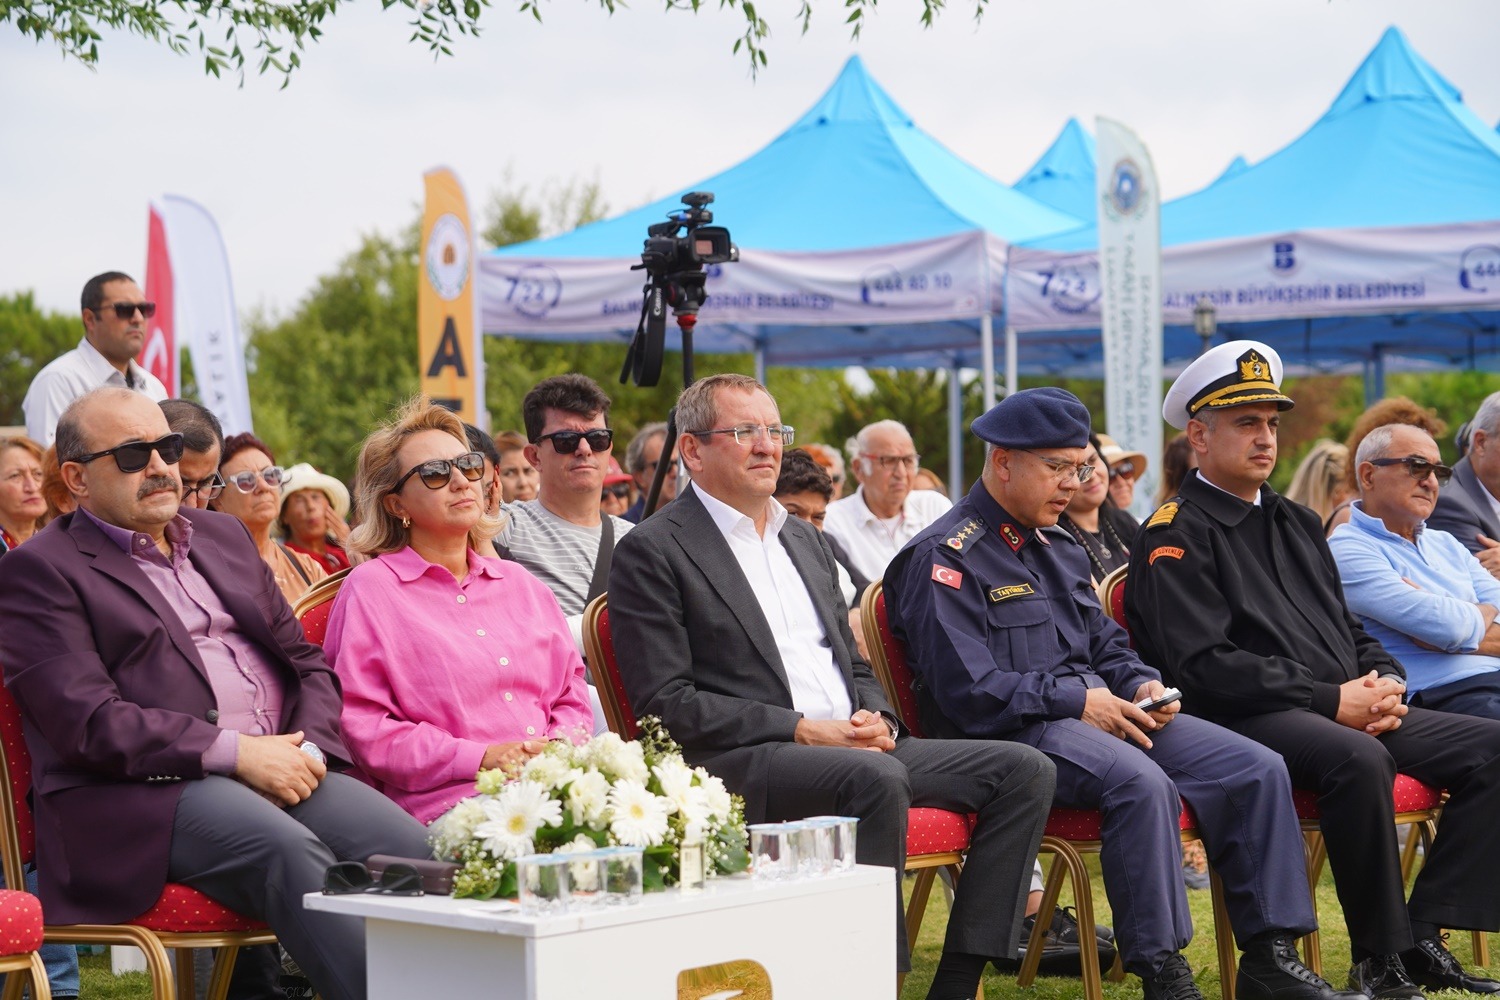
{"points": [[1069, 834], [935, 838], [20, 937], [182, 918], [1415, 803], [316, 604]]}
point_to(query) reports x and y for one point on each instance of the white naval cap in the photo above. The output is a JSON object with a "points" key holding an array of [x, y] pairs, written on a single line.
{"points": [[1232, 374]]}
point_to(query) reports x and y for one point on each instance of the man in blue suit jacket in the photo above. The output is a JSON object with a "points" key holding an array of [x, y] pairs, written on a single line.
{"points": [[125, 628]]}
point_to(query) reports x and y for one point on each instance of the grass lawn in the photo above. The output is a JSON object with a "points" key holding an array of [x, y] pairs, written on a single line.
{"points": [[99, 984]]}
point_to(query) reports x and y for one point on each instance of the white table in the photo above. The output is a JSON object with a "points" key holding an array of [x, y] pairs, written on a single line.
{"points": [[819, 938]]}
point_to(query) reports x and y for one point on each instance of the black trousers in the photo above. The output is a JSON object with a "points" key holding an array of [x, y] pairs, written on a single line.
{"points": [[1008, 785], [1352, 772]]}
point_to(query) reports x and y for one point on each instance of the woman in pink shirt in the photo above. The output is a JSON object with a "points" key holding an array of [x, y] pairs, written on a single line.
{"points": [[451, 661]]}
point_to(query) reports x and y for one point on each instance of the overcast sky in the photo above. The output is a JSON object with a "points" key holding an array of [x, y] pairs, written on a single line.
{"points": [[645, 101]]}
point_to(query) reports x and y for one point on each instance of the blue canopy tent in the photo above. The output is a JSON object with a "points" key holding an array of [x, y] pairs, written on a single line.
{"points": [[1237, 166], [1371, 240], [1064, 175], [862, 241]]}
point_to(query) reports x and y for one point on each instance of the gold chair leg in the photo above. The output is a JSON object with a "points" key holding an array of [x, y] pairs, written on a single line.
{"points": [[1088, 953], [41, 987], [1312, 949], [1223, 937], [218, 982], [1050, 891]]}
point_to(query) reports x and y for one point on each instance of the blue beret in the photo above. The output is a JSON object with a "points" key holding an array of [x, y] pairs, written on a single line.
{"points": [[1035, 418]]}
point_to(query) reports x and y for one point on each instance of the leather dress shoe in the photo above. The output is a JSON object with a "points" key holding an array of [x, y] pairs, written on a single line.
{"points": [[1174, 981], [1384, 978], [1272, 970], [1431, 964]]}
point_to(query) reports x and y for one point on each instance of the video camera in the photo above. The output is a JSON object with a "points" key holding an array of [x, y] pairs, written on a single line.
{"points": [[673, 259]]}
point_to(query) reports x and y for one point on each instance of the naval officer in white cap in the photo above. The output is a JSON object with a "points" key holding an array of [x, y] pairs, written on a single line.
{"points": [[1235, 597]]}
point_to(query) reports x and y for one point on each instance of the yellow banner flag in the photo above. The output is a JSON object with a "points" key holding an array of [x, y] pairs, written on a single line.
{"points": [[450, 355]]}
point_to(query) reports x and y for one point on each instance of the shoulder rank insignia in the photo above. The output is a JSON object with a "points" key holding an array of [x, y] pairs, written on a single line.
{"points": [[1164, 514], [960, 538], [1006, 593]]}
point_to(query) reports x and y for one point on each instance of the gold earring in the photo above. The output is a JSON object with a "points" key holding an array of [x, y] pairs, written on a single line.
{"points": [[405, 522]]}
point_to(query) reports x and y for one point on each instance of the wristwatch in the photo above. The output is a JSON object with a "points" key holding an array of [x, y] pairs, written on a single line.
{"points": [[312, 750], [891, 724]]}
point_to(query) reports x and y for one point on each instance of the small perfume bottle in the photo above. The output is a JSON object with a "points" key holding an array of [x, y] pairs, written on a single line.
{"points": [[692, 871]]}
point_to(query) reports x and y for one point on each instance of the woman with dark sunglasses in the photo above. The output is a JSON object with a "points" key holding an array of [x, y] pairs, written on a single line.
{"points": [[252, 493], [451, 661]]}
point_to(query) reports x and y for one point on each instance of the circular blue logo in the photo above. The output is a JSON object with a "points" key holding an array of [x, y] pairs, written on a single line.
{"points": [[1127, 188]]}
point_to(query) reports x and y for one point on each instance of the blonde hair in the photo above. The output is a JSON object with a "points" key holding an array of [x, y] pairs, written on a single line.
{"points": [[377, 530], [1319, 477]]}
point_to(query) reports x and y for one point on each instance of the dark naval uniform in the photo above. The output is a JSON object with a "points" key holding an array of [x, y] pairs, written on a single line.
{"points": [[1006, 636], [1241, 607]]}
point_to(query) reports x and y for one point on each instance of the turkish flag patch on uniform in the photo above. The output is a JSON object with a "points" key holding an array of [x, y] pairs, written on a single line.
{"points": [[951, 577]]}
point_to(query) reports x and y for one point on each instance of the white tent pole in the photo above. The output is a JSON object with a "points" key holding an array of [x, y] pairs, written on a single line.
{"points": [[987, 357], [760, 359], [1012, 365], [955, 432]]}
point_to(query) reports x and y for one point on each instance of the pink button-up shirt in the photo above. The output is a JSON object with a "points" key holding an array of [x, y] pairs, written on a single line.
{"points": [[435, 670]]}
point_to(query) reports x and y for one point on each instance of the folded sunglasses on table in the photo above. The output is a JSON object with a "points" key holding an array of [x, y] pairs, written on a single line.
{"points": [[351, 877]]}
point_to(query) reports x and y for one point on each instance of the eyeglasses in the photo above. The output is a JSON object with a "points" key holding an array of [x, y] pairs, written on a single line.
{"points": [[751, 433], [271, 475], [617, 490], [133, 456], [566, 442], [1122, 469], [125, 310], [1419, 468], [207, 489], [891, 461], [439, 472], [1064, 470], [347, 878]]}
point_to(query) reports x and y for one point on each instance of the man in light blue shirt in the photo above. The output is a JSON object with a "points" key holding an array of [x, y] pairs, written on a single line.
{"points": [[1417, 589]]}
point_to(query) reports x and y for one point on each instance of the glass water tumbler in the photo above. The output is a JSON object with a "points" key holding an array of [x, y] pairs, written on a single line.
{"points": [[772, 853], [545, 889], [620, 869]]}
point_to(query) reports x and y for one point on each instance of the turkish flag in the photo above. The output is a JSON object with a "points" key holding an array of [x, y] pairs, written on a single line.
{"points": [[950, 577], [159, 352]]}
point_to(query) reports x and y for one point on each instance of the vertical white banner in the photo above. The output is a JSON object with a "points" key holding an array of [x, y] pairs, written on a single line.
{"points": [[1130, 276], [207, 322]]}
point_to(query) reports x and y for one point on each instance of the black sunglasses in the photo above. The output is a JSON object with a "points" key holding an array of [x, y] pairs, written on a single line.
{"points": [[125, 310], [348, 878], [436, 473], [1419, 468], [618, 490], [133, 456], [566, 442]]}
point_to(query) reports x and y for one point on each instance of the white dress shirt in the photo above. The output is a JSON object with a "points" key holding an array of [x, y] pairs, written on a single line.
{"points": [[872, 542], [69, 376], [818, 688]]}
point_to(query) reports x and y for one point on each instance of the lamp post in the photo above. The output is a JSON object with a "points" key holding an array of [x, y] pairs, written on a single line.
{"points": [[1205, 322]]}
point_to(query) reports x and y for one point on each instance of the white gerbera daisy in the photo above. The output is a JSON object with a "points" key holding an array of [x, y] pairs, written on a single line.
{"points": [[639, 818], [513, 817], [676, 779], [588, 797], [720, 802]]}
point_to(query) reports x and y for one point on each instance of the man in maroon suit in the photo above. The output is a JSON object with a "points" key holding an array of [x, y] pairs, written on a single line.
{"points": [[181, 728]]}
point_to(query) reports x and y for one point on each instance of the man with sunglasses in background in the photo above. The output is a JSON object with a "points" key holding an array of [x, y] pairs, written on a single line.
{"points": [[562, 536], [1234, 595], [181, 727], [116, 316], [1415, 588], [885, 512]]}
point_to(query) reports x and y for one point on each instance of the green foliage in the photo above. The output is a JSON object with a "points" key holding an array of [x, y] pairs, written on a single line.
{"points": [[29, 339], [323, 376], [227, 35], [517, 215], [272, 36]]}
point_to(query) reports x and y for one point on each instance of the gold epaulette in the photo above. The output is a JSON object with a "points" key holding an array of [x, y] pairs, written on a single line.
{"points": [[1164, 514]]}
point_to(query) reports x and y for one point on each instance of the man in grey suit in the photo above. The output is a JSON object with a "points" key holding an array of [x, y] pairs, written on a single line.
{"points": [[1468, 508], [729, 625]]}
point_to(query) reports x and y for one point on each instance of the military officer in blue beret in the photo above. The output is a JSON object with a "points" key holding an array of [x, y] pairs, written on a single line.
{"points": [[1008, 641], [1235, 596]]}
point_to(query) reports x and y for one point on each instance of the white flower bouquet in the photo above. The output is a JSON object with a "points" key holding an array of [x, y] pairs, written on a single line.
{"points": [[599, 793]]}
